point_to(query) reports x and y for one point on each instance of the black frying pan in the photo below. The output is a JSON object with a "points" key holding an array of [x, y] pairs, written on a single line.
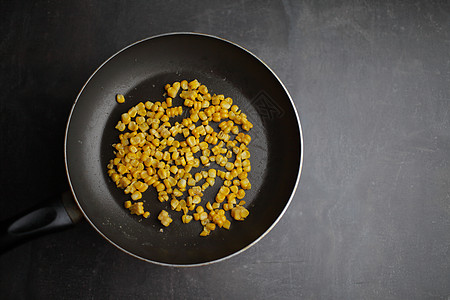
{"points": [[140, 72]]}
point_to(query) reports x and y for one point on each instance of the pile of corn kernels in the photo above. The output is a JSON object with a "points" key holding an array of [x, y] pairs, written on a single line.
{"points": [[154, 152]]}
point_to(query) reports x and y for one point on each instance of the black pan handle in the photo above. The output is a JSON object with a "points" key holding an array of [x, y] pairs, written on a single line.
{"points": [[57, 214]]}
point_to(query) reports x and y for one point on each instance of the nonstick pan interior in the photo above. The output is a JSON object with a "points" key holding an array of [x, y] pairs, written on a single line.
{"points": [[140, 72]]}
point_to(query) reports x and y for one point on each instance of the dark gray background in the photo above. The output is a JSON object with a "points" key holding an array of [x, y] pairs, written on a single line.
{"points": [[371, 82]]}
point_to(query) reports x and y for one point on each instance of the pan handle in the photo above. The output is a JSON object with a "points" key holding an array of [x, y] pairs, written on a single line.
{"points": [[55, 215]]}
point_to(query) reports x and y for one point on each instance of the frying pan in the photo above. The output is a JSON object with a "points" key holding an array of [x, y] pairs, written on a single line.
{"points": [[140, 72]]}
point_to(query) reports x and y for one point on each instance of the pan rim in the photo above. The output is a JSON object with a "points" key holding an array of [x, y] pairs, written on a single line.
{"points": [[236, 252]]}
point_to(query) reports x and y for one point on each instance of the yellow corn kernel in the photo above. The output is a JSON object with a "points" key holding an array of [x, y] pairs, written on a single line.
{"points": [[196, 216], [120, 98], [239, 213], [174, 203], [126, 118], [120, 126], [203, 216], [245, 184], [204, 160], [211, 226], [229, 166], [191, 141], [198, 177], [127, 204], [210, 181], [136, 195], [196, 199], [212, 173], [186, 218], [137, 208], [205, 186], [194, 84], [240, 194], [191, 181], [172, 92], [160, 187], [204, 233], [224, 190], [226, 224]]}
